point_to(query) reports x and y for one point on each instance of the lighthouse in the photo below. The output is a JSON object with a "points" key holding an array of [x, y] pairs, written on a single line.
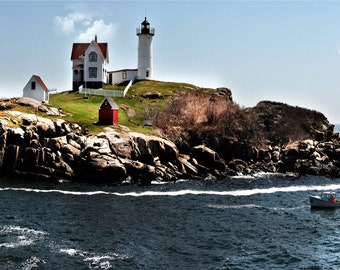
{"points": [[145, 65]]}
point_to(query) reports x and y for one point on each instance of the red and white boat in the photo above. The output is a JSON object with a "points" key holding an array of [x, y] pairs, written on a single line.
{"points": [[324, 200]]}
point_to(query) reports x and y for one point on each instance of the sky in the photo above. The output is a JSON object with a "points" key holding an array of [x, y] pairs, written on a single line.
{"points": [[285, 51]]}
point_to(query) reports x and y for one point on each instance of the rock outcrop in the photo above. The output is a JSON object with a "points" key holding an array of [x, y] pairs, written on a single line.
{"points": [[33, 147], [39, 148]]}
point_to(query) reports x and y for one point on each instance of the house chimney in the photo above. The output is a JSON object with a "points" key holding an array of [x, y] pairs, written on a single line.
{"points": [[95, 38]]}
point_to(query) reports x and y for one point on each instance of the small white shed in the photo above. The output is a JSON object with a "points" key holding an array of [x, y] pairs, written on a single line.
{"points": [[36, 88]]}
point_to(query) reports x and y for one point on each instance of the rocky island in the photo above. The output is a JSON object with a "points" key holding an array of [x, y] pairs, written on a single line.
{"points": [[270, 137]]}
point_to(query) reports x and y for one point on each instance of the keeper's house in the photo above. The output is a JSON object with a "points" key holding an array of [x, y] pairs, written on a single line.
{"points": [[89, 66]]}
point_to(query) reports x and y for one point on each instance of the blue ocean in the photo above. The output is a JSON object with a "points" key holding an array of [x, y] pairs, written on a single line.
{"points": [[259, 222]]}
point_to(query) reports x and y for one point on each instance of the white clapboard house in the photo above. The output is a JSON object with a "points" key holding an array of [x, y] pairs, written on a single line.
{"points": [[37, 89]]}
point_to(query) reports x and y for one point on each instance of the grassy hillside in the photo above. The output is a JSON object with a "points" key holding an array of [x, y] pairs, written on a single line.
{"points": [[85, 111]]}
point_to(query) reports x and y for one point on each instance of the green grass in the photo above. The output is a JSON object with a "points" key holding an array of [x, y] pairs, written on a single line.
{"points": [[85, 111]]}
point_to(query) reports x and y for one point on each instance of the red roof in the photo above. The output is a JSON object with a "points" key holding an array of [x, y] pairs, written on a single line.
{"points": [[79, 49], [40, 81]]}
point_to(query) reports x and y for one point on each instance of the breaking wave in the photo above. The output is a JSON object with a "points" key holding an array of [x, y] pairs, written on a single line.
{"points": [[241, 192]]}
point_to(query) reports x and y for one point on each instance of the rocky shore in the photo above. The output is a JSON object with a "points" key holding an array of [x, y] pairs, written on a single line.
{"points": [[33, 147]]}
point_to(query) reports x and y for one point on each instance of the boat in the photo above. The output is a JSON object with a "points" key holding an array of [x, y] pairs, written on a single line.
{"points": [[324, 200]]}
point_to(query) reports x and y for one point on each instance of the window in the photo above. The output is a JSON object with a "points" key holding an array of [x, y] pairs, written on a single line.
{"points": [[32, 85], [147, 74], [124, 75], [92, 72], [93, 57]]}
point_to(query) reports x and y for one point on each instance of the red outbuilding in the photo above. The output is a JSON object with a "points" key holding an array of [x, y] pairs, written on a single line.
{"points": [[108, 112]]}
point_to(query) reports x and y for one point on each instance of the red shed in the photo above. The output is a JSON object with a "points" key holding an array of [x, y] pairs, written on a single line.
{"points": [[108, 112]]}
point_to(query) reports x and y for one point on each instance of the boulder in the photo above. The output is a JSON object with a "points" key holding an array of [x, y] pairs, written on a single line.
{"points": [[224, 92], [3, 139], [46, 127], [29, 119], [48, 156], [102, 169], [62, 127], [30, 158], [188, 167], [140, 173], [63, 167], [122, 145], [15, 135], [319, 135], [207, 157], [238, 166], [29, 102], [144, 152], [152, 95], [10, 158], [49, 110], [55, 144], [74, 144], [276, 156], [43, 170], [6, 104], [264, 155], [70, 149], [129, 111], [150, 147]]}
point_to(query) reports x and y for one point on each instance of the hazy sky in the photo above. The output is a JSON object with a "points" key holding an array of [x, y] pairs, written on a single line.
{"points": [[286, 51]]}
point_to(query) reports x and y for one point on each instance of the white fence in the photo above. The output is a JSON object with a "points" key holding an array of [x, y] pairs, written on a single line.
{"points": [[104, 93], [101, 92]]}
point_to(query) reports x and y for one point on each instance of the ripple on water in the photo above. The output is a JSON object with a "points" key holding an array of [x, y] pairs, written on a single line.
{"points": [[97, 260], [32, 262], [253, 224]]}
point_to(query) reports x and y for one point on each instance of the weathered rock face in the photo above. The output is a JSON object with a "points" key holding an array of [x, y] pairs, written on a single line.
{"points": [[207, 157], [39, 148], [225, 92]]}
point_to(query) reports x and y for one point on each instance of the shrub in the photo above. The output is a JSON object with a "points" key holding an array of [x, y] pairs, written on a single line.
{"points": [[195, 118]]}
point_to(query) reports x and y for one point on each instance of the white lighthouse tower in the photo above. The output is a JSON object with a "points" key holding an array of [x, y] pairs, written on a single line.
{"points": [[145, 65]]}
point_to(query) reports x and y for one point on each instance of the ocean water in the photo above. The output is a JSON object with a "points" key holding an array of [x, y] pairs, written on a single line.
{"points": [[262, 222]]}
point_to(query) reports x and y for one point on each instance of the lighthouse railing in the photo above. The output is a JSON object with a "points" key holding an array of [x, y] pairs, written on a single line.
{"points": [[139, 31]]}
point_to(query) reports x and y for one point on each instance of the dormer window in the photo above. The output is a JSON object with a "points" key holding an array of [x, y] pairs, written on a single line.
{"points": [[93, 57]]}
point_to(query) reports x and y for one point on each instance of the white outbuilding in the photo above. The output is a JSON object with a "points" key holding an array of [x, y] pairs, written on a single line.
{"points": [[37, 89]]}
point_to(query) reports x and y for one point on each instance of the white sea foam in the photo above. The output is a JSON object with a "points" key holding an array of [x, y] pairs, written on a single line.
{"points": [[98, 260], [32, 262], [20, 236], [241, 192], [221, 206], [71, 251]]}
